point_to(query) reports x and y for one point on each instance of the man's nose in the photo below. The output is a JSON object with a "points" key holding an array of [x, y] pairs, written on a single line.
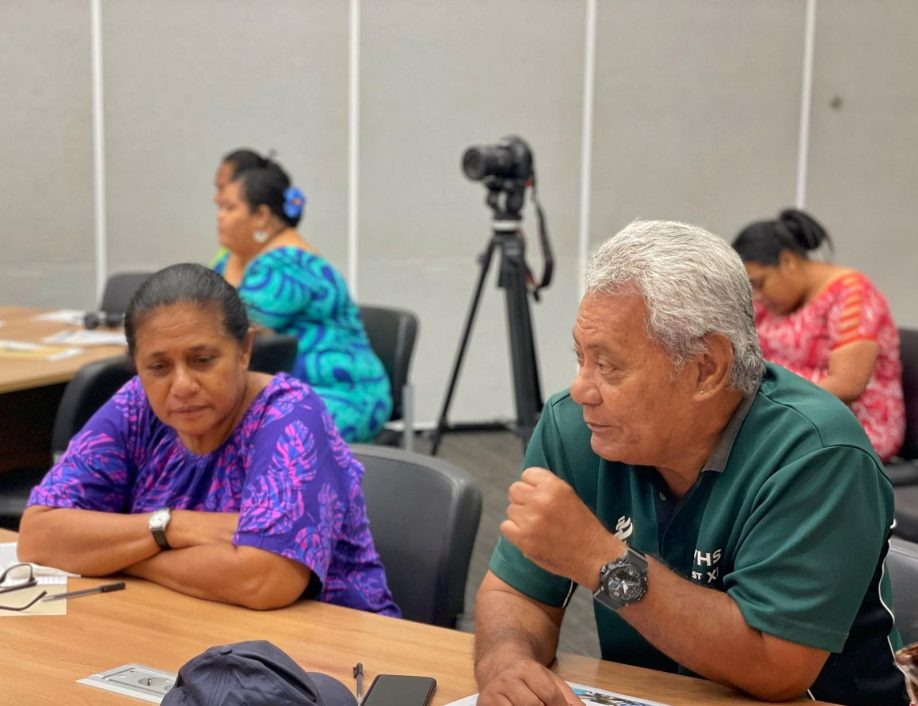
{"points": [[583, 391]]}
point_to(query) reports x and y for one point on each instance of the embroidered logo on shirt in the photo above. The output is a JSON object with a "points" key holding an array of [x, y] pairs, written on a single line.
{"points": [[706, 570], [623, 528]]}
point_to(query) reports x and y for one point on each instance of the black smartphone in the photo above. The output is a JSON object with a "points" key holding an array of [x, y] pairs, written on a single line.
{"points": [[400, 690]]}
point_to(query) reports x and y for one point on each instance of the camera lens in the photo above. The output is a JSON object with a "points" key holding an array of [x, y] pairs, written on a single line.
{"points": [[475, 162]]}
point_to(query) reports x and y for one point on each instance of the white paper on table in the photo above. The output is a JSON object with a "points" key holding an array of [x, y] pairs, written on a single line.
{"points": [[36, 351], [62, 316], [589, 695], [86, 338]]}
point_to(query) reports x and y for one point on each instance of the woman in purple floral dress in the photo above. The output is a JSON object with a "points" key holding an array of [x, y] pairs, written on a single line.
{"points": [[202, 476]]}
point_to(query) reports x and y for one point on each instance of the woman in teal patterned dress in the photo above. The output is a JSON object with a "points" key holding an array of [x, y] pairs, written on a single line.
{"points": [[289, 288]]}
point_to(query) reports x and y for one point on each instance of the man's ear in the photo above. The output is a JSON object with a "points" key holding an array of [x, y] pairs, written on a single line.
{"points": [[714, 366]]}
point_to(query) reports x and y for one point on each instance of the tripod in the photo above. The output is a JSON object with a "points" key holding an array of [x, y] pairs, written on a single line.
{"points": [[505, 226]]}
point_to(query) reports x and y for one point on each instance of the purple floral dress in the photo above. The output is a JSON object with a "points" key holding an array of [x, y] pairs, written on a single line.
{"points": [[284, 469]]}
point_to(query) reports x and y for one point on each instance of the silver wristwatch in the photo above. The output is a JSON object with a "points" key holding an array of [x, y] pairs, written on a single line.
{"points": [[158, 523], [622, 581]]}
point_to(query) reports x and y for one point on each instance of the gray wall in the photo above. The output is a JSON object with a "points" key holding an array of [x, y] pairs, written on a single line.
{"points": [[696, 116]]}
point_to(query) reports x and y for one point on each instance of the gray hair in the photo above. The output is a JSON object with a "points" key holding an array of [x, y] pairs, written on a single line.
{"points": [[692, 282]]}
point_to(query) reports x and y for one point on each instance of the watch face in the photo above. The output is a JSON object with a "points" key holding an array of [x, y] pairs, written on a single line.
{"points": [[626, 583], [159, 518]]}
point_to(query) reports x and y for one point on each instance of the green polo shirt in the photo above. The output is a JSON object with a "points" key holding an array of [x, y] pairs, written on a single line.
{"points": [[790, 517]]}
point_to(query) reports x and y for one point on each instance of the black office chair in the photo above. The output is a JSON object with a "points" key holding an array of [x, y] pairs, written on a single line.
{"points": [[902, 564], [906, 512], [424, 515], [119, 288], [273, 353], [393, 334], [903, 470], [89, 389]]}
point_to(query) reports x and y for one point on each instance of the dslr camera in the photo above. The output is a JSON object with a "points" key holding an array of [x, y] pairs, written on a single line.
{"points": [[510, 160]]}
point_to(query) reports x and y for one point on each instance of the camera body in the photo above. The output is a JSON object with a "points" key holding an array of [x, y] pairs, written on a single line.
{"points": [[510, 160]]}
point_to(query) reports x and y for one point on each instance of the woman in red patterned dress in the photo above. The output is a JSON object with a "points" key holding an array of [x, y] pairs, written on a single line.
{"points": [[826, 323]]}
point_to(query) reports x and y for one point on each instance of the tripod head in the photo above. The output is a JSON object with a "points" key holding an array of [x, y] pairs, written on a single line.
{"points": [[505, 198]]}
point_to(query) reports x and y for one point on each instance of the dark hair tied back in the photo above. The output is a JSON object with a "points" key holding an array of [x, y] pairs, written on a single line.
{"points": [[803, 229], [763, 242], [271, 187], [186, 283]]}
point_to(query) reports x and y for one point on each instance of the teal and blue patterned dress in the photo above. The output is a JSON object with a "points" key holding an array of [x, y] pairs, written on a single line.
{"points": [[299, 293]]}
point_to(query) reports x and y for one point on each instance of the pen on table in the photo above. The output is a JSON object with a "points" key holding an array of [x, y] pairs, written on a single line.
{"points": [[358, 675], [104, 588]]}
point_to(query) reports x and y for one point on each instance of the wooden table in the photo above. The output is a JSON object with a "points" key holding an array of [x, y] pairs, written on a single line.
{"points": [[30, 390], [19, 325], [42, 657]]}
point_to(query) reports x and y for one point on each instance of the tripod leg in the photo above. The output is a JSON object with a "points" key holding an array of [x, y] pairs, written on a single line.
{"points": [[523, 362], [484, 263]]}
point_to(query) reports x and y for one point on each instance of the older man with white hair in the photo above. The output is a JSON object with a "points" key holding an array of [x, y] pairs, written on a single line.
{"points": [[730, 518]]}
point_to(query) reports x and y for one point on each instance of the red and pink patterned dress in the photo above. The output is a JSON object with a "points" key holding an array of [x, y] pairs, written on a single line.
{"points": [[850, 309]]}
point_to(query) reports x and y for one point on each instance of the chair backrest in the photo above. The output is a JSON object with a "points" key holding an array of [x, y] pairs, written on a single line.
{"points": [[902, 564], [424, 515], [273, 353], [908, 352], [119, 289], [392, 333], [90, 388]]}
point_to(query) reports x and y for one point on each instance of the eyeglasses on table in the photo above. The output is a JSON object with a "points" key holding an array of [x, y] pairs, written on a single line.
{"points": [[16, 578]]}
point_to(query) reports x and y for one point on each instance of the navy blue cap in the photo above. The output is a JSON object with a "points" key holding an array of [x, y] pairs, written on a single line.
{"points": [[253, 673]]}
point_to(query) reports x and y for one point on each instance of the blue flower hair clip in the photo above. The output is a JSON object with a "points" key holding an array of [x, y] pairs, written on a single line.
{"points": [[294, 201]]}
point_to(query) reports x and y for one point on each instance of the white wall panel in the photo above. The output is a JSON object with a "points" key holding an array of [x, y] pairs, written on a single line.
{"points": [[697, 112], [46, 210], [185, 82], [864, 149]]}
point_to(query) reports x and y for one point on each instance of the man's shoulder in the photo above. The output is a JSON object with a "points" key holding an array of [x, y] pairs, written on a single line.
{"points": [[792, 418], [790, 409]]}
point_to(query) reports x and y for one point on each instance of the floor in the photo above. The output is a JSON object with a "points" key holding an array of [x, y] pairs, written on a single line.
{"points": [[494, 459]]}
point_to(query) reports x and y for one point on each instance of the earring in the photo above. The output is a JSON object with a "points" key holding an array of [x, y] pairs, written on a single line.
{"points": [[700, 392], [260, 237]]}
